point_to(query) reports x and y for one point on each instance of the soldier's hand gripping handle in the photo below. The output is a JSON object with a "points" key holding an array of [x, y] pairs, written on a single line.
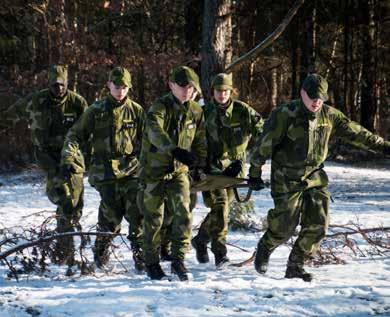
{"points": [[256, 183], [185, 157], [233, 169]]}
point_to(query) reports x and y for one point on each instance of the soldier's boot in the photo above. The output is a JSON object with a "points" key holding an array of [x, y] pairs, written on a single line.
{"points": [[295, 267], [221, 260], [155, 272], [165, 253], [64, 251], [101, 253], [262, 258], [298, 272], [201, 250], [178, 268], [138, 257], [64, 247]]}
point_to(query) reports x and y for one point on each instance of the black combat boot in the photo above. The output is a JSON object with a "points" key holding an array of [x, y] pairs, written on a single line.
{"points": [[298, 272], [201, 250], [155, 272], [165, 254], [178, 268], [101, 253], [262, 258], [221, 260], [64, 252], [295, 266], [138, 258]]}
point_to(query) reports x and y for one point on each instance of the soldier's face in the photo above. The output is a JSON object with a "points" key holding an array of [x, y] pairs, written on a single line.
{"points": [[118, 92], [222, 96], [183, 94], [58, 89], [312, 105]]}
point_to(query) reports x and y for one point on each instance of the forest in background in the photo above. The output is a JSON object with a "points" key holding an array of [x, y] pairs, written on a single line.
{"points": [[344, 40]]}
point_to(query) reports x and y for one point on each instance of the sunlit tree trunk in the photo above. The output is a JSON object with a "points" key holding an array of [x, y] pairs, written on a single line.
{"points": [[216, 40], [369, 98]]}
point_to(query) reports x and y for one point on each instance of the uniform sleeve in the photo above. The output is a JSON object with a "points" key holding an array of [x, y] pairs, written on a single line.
{"points": [[256, 123], [141, 117], [273, 133], [76, 139], [154, 128], [86, 148], [353, 133], [199, 144], [82, 104], [46, 158]]}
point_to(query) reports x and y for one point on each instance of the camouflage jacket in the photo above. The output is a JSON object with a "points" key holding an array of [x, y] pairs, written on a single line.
{"points": [[229, 132], [297, 142], [50, 120], [114, 130], [170, 125]]}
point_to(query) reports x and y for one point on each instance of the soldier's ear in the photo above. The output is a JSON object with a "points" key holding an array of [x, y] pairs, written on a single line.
{"points": [[108, 84]]}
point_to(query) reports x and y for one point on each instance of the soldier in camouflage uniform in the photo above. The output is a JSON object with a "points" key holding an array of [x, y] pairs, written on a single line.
{"points": [[296, 138], [174, 141], [114, 126], [230, 124], [52, 112]]}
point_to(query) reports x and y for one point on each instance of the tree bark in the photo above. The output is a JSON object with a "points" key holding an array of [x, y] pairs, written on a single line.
{"points": [[59, 26], [308, 42], [216, 40], [369, 105]]}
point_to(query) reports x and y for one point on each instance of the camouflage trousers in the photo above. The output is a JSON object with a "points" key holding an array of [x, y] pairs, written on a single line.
{"points": [[310, 209], [175, 195], [118, 201], [68, 196], [214, 227], [166, 229]]}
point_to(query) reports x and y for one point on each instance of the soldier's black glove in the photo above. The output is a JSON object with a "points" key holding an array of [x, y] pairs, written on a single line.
{"points": [[197, 174], [233, 169], [185, 157], [256, 183]]}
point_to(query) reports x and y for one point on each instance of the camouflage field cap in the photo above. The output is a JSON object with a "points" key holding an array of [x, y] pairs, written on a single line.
{"points": [[58, 74], [120, 76], [316, 87], [184, 76], [223, 81]]}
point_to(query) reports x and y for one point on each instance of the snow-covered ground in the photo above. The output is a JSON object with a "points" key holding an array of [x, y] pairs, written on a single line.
{"points": [[359, 288]]}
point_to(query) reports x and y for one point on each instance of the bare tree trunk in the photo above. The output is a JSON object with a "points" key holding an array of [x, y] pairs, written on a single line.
{"points": [[193, 25], [58, 23], [216, 40], [71, 37], [274, 89], [308, 42], [348, 52], [294, 59], [369, 105]]}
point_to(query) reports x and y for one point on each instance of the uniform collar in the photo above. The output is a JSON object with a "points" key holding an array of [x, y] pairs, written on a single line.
{"points": [[306, 113], [115, 103], [177, 106], [224, 111], [55, 101]]}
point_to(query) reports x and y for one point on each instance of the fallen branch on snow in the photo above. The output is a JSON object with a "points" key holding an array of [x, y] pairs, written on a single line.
{"points": [[327, 252], [52, 237]]}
